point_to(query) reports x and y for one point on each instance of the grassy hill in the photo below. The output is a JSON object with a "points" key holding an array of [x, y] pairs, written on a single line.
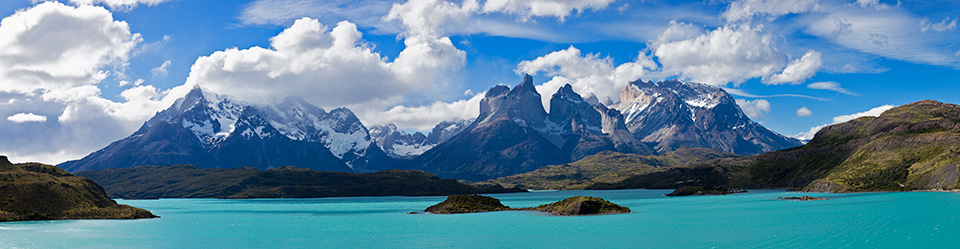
{"points": [[187, 181], [606, 167], [34, 191], [911, 147]]}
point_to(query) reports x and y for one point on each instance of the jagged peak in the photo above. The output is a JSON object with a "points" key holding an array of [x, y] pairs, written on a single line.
{"points": [[497, 90], [567, 93], [525, 86]]}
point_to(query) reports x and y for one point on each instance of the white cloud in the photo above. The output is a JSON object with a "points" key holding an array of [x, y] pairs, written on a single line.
{"points": [[544, 8], [365, 13], [804, 112], [733, 53], [872, 4], [876, 111], [888, 32], [137, 82], [161, 71], [588, 74], [747, 9], [54, 59], [830, 85], [798, 70], [754, 108], [945, 25], [26, 117], [53, 47], [424, 118], [122, 5]]}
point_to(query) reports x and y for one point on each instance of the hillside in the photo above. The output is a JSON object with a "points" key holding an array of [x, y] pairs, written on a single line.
{"points": [[911, 147], [33, 191], [187, 181], [606, 167]]}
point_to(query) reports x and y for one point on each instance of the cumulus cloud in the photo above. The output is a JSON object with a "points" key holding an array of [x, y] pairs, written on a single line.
{"points": [[747, 9], [830, 85], [754, 108], [327, 67], [587, 73], [798, 70], [54, 59], [732, 53], [54, 47], [161, 71], [26, 117], [543, 8], [876, 111], [122, 5], [804, 112]]}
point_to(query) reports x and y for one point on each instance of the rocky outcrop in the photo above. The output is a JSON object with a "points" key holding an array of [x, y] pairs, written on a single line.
{"points": [[33, 191], [581, 205], [459, 204], [573, 206]]}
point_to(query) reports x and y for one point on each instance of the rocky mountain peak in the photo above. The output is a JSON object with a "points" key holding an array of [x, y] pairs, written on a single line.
{"points": [[674, 114], [521, 105]]}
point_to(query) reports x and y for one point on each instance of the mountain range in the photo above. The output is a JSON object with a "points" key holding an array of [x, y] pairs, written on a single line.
{"points": [[214, 131], [512, 134]]}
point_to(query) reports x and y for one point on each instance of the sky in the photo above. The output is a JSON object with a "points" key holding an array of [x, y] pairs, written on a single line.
{"points": [[76, 75]]}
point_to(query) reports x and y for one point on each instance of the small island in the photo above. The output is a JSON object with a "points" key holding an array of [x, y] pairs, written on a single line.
{"points": [[573, 206], [802, 198], [34, 191], [703, 190]]}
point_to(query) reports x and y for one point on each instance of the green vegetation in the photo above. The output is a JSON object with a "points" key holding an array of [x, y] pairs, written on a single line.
{"points": [[577, 205], [581, 205], [459, 204], [606, 168], [34, 191], [186, 181]]}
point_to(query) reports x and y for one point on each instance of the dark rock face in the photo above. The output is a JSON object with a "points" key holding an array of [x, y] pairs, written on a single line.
{"points": [[213, 131], [513, 134], [33, 191], [673, 114], [459, 204], [503, 140]]}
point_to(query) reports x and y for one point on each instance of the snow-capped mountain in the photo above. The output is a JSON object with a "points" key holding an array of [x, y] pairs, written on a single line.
{"points": [[399, 144], [673, 114], [202, 128]]}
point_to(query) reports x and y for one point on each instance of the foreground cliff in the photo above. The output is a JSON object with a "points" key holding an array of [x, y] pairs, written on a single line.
{"points": [[187, 181], [911, 147], [33, 191]]}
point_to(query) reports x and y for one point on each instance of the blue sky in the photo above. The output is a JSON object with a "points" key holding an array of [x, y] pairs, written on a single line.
{"points": [[415, 63]]}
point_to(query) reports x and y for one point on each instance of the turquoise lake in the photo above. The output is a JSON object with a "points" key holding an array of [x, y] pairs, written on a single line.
{"points": [[747, 220]]}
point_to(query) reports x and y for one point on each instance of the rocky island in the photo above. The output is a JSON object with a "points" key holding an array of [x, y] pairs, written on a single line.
{"points": [[573, 206], [34, 191], [703, 190], [802, 198]]}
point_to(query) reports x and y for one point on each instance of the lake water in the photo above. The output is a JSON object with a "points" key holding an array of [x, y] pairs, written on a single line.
{"points": [[748, 220]]}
